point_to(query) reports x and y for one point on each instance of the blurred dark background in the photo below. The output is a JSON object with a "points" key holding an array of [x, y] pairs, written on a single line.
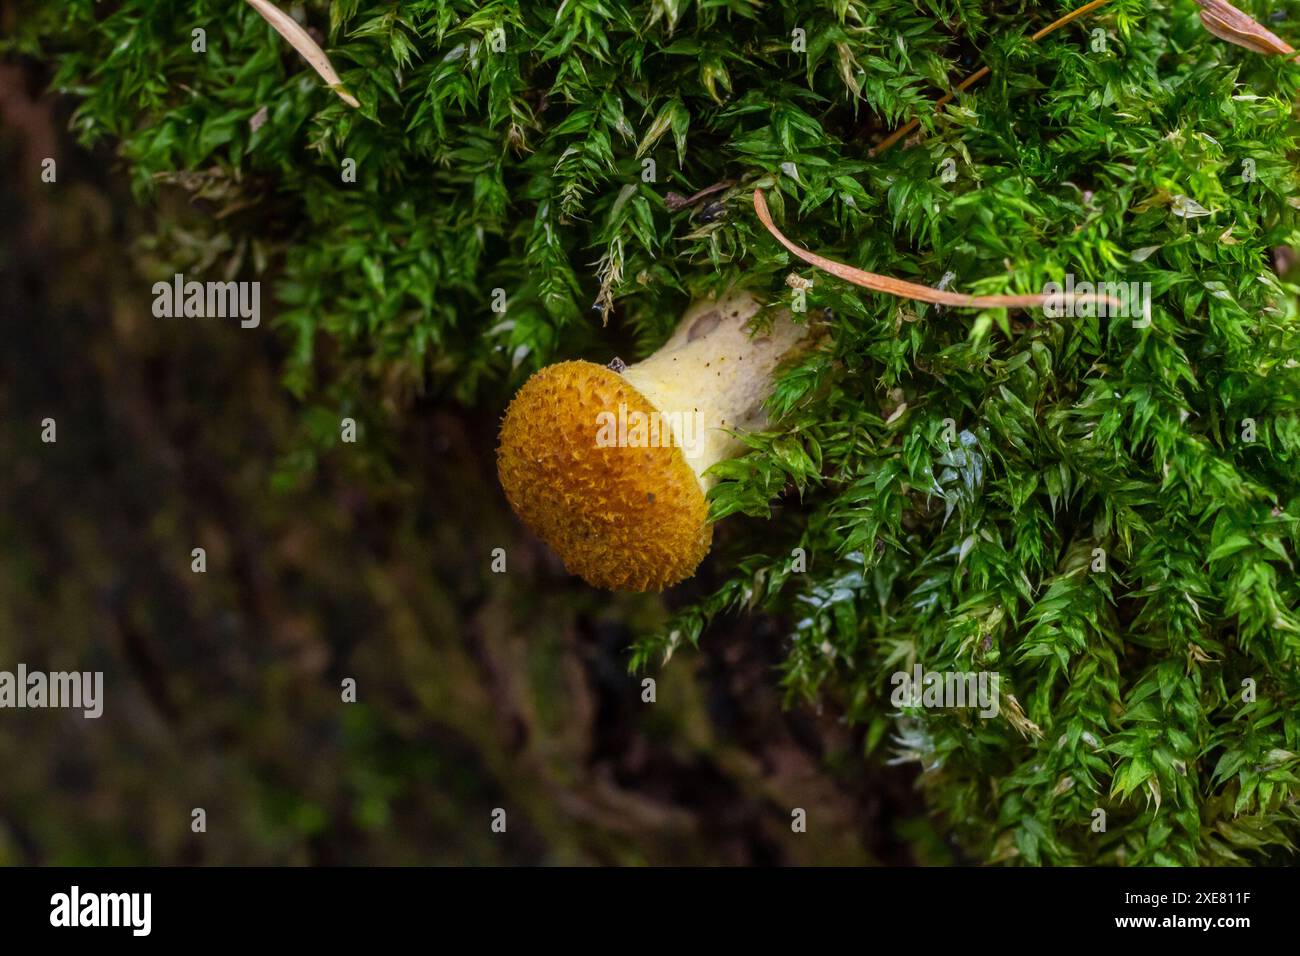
{"points": [[223, 690]]}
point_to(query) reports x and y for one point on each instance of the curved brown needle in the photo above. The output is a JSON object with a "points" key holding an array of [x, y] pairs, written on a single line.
{"points": [[912, 290]]}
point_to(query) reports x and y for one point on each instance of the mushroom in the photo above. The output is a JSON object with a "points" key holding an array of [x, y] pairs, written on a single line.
{"points": [[607, 464]]}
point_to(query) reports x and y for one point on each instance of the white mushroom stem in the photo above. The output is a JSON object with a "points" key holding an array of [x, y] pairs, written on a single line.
{"points": [[712, 376]]}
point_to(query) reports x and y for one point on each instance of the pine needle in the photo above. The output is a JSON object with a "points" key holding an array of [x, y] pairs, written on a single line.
{"points": [[301, 41], [909, 290]]}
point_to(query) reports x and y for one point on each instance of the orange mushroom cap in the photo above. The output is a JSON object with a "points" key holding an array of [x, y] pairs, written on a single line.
{"points": [[623, 518]]}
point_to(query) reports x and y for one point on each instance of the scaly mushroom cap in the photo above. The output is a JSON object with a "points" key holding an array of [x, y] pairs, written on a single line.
{"points": [[627, 519]]}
